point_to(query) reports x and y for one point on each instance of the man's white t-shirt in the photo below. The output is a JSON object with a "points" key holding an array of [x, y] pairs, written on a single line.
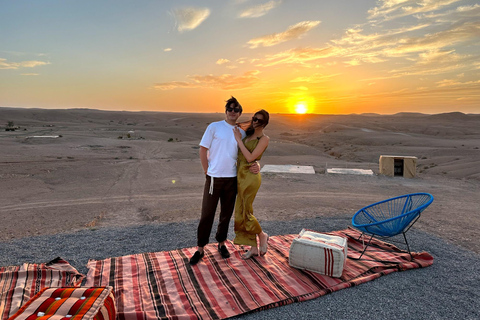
{"points": [[222, 149]]}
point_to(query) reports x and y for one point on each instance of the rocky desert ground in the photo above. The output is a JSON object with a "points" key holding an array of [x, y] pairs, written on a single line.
{"points": [[64, 170]]}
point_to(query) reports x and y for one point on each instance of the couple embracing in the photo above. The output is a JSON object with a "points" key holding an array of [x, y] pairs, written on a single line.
{"points": [[228, 153]]}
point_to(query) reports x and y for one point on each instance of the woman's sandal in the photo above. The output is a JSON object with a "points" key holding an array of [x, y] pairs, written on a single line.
{"points": [[249, 254], [264, 247]]}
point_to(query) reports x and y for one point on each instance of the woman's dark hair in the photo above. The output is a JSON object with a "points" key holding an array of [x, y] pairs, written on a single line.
{"points": [[235, 102], [248, 125]]}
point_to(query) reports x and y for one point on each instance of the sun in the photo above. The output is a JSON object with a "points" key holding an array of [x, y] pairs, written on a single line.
{"points": [[300, 104], [300, 108]]}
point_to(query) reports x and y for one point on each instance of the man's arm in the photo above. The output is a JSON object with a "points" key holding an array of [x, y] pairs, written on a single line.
{"points": [[204, 158], [255, 167]]}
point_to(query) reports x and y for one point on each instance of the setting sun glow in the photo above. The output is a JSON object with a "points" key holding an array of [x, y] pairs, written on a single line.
{"points": [[300, 108]]}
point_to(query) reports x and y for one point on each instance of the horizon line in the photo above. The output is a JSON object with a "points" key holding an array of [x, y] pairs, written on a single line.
{"points": [[277, 113]]}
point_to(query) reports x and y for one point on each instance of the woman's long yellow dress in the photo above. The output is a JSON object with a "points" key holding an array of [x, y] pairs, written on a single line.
{"points": [[246, 225]]}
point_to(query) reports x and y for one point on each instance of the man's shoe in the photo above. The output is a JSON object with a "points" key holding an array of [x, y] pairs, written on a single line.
{"points": [[223, 251], [196, 257]]}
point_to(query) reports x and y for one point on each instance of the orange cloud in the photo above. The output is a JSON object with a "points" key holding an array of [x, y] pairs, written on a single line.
{"points": [[462, 33], [174, 85], [450, 83], [315, 78], [224, 82], [24, 64], [300, 56], [393, 9], [293, 32], [222, 61], [259, 10]]}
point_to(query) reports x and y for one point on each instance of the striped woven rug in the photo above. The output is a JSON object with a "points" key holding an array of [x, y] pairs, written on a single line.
{"points": [[18, 284], [164, 285]]}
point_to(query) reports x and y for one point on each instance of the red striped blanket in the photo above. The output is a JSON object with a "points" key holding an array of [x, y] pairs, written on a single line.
{"points": [[20, 283], [164, 285]]}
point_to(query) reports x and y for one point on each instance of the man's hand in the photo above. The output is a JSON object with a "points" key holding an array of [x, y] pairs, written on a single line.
{"points": [[255, 167], [203, 152]]}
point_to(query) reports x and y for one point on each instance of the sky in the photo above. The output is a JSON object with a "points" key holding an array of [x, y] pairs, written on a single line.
{"points": [[285, 56]]}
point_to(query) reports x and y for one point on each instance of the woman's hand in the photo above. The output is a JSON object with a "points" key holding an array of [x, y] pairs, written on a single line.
{"points": [[237, 134]]}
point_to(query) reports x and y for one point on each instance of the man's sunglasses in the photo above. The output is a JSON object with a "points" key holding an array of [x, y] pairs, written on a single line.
{"points": [[255, 119], [236, 110]]}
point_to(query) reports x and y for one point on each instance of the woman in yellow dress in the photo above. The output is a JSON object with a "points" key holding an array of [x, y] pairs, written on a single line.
{"points": [[252, 147]]}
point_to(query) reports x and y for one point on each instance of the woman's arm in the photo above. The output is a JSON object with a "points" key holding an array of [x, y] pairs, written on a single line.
{"points": [[251, 156]]}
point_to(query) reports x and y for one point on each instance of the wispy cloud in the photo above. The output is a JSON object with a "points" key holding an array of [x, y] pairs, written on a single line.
{"points": [[356, 37], [189, 18], [224, 82], [364, 58], [359, 47], [259, 10], [448, 82], [437, 62], [445, 88], [421, 44], [302, 88], [315, 78], [293, 32], [303, 56], [174, 85], [432, 63], [468, 89], [222, 61], [30, 74], [454, 15], [393, 9], [437, 31], [167, 49], [4, 64], [240, 1], [19, 53], [446, 38]]}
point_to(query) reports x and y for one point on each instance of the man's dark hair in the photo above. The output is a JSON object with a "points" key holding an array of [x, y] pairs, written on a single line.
{"points": [[235, 102]]}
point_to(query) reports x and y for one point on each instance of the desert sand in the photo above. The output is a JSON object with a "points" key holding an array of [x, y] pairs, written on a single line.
{"points": [[65, 170]]}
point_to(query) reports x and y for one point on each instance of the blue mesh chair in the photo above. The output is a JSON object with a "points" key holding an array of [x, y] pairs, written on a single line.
{"points": [[391, 217]]}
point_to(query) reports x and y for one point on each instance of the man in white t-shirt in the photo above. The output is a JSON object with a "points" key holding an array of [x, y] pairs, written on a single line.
{"points": [[218, 155]]}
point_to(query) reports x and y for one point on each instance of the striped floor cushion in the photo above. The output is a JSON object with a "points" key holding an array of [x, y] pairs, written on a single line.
{"points": [[85, 303], [20, 283], [319, 252]]}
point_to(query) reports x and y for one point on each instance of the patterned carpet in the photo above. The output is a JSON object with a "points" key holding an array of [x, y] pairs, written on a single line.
{"points": [[164, 285]]}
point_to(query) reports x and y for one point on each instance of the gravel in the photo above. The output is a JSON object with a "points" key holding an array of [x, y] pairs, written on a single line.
{"points": [[449, 289]]}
